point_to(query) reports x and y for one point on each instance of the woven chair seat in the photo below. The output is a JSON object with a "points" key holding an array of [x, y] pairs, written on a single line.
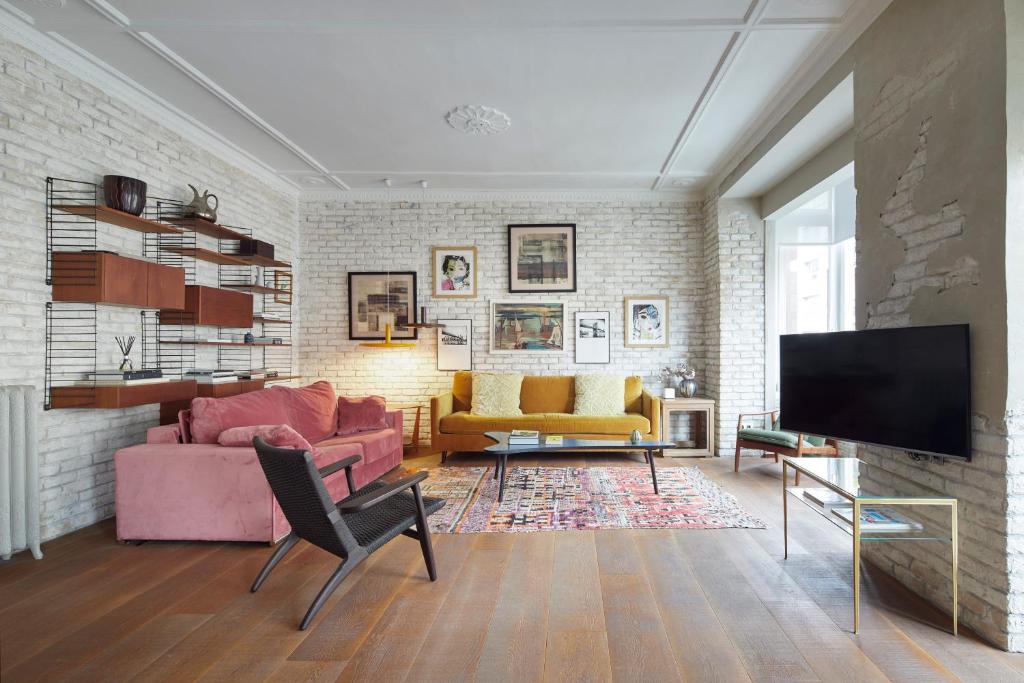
{"points": [[379, 524]]}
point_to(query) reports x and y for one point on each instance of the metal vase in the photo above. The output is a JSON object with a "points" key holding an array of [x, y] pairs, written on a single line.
{"points": [[124, 194], [688, 388]]}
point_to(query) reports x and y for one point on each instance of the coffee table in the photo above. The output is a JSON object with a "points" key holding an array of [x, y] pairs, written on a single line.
{"points": [[502, 450]]}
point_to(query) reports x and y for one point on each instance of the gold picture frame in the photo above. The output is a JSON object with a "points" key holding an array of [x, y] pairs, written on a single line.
{"points": [[283, 285], [447, 260]]}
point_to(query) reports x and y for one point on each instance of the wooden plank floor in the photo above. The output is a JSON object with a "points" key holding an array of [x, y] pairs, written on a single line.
{"points": [[623, 605]]}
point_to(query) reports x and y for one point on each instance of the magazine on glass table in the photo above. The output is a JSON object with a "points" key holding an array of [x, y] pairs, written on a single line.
{"points": [[877, 520]]}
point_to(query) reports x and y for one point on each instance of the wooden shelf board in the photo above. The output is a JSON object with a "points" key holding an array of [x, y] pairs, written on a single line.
{"points": [[204, 227], [207, 255], [191, 342], [262, 261], [258, 289], [282, 378], [105, 214], [114, 396], [270, 321]]}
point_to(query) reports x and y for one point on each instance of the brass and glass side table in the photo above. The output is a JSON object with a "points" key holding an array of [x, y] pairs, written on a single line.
{"points": [[841, 476]]}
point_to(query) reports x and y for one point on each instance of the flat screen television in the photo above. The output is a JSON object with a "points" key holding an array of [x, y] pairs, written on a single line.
{"points": [[907, 388]]}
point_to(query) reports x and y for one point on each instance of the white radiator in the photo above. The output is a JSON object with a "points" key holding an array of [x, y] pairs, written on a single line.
{"points": [[19, 471]]}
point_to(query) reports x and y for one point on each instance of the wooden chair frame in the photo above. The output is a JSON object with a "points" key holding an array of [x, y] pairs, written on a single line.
{"points": [[830, 449]]}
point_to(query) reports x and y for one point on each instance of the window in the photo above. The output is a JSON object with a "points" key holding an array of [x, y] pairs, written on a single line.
{"points": [[811, 263]]}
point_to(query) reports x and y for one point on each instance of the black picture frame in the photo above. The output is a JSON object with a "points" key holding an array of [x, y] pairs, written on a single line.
{"points": [[397, 332], [540, 288]]}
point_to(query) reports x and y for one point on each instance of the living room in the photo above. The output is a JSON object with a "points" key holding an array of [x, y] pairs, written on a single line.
{"points": [[537, 341]]}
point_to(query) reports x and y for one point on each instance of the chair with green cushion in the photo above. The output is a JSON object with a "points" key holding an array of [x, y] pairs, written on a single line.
{"points": [[778, 442]]}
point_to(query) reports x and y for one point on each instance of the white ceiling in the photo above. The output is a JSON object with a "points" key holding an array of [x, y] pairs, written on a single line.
{"points": [[602, 94]]}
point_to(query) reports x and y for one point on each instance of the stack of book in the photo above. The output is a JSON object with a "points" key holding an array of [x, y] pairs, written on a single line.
{"points": [[124, 378], [212, 376], [256, 373], [826, 498], [523, 437]]}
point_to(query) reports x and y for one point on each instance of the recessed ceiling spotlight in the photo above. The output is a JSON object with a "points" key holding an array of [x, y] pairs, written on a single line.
{"points": [[476, 119], [51, 4], [314, 180], [683, 182]]}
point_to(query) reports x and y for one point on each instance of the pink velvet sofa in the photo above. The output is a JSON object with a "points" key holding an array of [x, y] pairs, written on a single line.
{"points": [[182, 485]]}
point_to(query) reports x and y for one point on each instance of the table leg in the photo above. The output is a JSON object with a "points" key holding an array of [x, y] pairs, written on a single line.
{"points": [[856, 566], [497, 464], [956, 553], [416, 430], [654, 475], [785, 515], [501, 479]]}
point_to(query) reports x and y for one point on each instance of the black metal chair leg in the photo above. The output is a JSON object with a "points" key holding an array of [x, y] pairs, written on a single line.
{"points": [[423, 531], [282, 550], [343, 570]]}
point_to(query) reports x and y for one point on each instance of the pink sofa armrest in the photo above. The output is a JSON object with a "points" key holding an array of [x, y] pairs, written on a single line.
{"points": [[164, 434], [394, 419]]}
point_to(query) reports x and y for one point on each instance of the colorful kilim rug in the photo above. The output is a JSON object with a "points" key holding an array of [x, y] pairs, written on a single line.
{"points": [[557, 498]]}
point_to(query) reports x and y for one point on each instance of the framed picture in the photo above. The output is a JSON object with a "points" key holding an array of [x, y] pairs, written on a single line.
{"points": [[455, 270], [646, 322], [455, 345], [527, 327], [283, 285], [542, 258], [376, 299], [593, 336]]}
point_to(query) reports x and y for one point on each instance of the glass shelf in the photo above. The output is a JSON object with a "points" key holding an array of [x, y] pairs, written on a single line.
{"points": [[923, 534]]}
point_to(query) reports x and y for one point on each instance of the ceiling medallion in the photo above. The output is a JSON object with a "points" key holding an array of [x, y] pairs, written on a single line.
{"points": [[476, 119]]}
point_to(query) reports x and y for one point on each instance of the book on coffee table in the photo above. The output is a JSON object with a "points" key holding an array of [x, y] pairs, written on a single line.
{"points": [[554, 440], [523, 437]]}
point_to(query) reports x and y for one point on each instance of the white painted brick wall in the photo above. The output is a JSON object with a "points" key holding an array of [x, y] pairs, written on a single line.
{"points": [[53, 124], [623, 248]]}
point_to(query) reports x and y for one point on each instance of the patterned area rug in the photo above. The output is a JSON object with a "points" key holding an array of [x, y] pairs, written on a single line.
{"points": [[557, 498]]}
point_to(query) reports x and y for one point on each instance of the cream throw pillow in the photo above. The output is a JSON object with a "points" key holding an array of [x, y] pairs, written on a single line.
{"points": [[600, 395], [496, 395]]}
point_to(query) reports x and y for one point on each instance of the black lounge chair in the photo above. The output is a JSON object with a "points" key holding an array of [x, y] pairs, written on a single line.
{"points": [[351, 528]]}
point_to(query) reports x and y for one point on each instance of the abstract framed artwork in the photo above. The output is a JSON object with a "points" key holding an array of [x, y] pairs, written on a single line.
{"points": [[646, 322], [283, 287], [455, 272], [376, 299], [542, 258], [455, 344], [522, 327], [593, 336]]}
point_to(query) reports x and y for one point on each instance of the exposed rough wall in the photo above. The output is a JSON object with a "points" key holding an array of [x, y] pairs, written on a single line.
{"points": [[734, 274], [53, 124], [623, 248], [930, 161]]}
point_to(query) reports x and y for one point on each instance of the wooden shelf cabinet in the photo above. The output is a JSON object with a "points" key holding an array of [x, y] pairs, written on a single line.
{"points": [[212, 306], [101, 277], [108, 397]]}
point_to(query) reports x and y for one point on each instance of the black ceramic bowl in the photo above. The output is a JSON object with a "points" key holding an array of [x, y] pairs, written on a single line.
{"points": [[124, 194]]}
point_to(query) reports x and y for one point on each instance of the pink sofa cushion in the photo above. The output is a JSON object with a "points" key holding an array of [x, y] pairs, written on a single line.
{"points": [[361, 414], [376, 445], [211, 416], [312, 410], [281, 436]]}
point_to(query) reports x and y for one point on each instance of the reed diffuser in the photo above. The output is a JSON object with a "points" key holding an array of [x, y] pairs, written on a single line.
{"points": [[125, 344]]}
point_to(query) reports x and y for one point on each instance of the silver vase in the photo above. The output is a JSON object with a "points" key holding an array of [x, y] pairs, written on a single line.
{"points": [[688, 388]]}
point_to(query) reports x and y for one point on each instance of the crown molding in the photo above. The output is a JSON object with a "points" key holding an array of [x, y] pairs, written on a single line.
{"points": [[54, 48], [859, 17], [553, 196]]}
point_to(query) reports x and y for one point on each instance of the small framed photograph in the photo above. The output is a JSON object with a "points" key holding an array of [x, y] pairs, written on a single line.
{"points": [[283, 285], [455, 344], [646, 322], [455, 270], [593, 336], [378, 299], [522, 327], [542, 258]]}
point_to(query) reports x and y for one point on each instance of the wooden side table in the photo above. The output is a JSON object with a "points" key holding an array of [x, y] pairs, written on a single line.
{"points": [[690, 405], [418, 407]]}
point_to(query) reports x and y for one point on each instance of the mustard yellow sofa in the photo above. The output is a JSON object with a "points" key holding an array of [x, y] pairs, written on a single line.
{"points": [[547, 403]]}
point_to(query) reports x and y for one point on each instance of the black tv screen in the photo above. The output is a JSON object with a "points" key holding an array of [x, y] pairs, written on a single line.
{"points": [[907, 388]]}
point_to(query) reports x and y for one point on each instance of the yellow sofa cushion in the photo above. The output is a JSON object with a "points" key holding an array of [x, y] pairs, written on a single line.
{"points": [[600, 394], [496, 395], [543, 393], [464, 422]]}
